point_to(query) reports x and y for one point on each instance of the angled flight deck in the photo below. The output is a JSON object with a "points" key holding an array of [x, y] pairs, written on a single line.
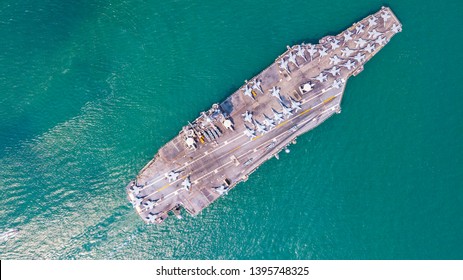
{"points": [[224, 145]]}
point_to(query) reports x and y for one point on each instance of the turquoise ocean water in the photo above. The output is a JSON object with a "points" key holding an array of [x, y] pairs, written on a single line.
{"points": [[89, 91]]}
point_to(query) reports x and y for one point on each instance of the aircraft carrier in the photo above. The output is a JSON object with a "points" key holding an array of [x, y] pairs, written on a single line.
{"points": [[299, 91]]}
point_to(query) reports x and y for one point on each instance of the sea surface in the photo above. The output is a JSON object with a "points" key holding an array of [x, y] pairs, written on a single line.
{"points": [[90, 90]]}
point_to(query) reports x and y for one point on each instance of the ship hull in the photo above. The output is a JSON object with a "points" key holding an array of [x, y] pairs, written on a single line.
{"points": [[223, 146]]}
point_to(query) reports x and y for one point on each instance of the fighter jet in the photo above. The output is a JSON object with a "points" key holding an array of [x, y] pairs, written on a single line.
{"points": [[284, 65], [373, 34], [337, 84], [334, 44], [370, 48], [135, 190], [300, 52], [250, 133], [349, 64], [150, 204], [311, 50], [347, 36], [269, 122], [275, 91], [172, 176], [372, 21], [385, 17], [152, 217], [359, 29], [186, 183], [335, 60], [295, 105], [137, 201], [335, 71], [381, 40], [321, 77], [292, 58], [396, 28], [247, 91], [286, 111], [247, 116], [323, 51], [346, 52], [257, 85], [277, 117], [360, 42], [359, 57], [222, 189], [260, 128]]}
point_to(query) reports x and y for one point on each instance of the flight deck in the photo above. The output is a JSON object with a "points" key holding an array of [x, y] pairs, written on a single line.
{"points": [[224, 145]]}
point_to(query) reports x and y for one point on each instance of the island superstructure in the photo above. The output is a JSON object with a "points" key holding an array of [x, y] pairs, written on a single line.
{"points": [[300, 90]]}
